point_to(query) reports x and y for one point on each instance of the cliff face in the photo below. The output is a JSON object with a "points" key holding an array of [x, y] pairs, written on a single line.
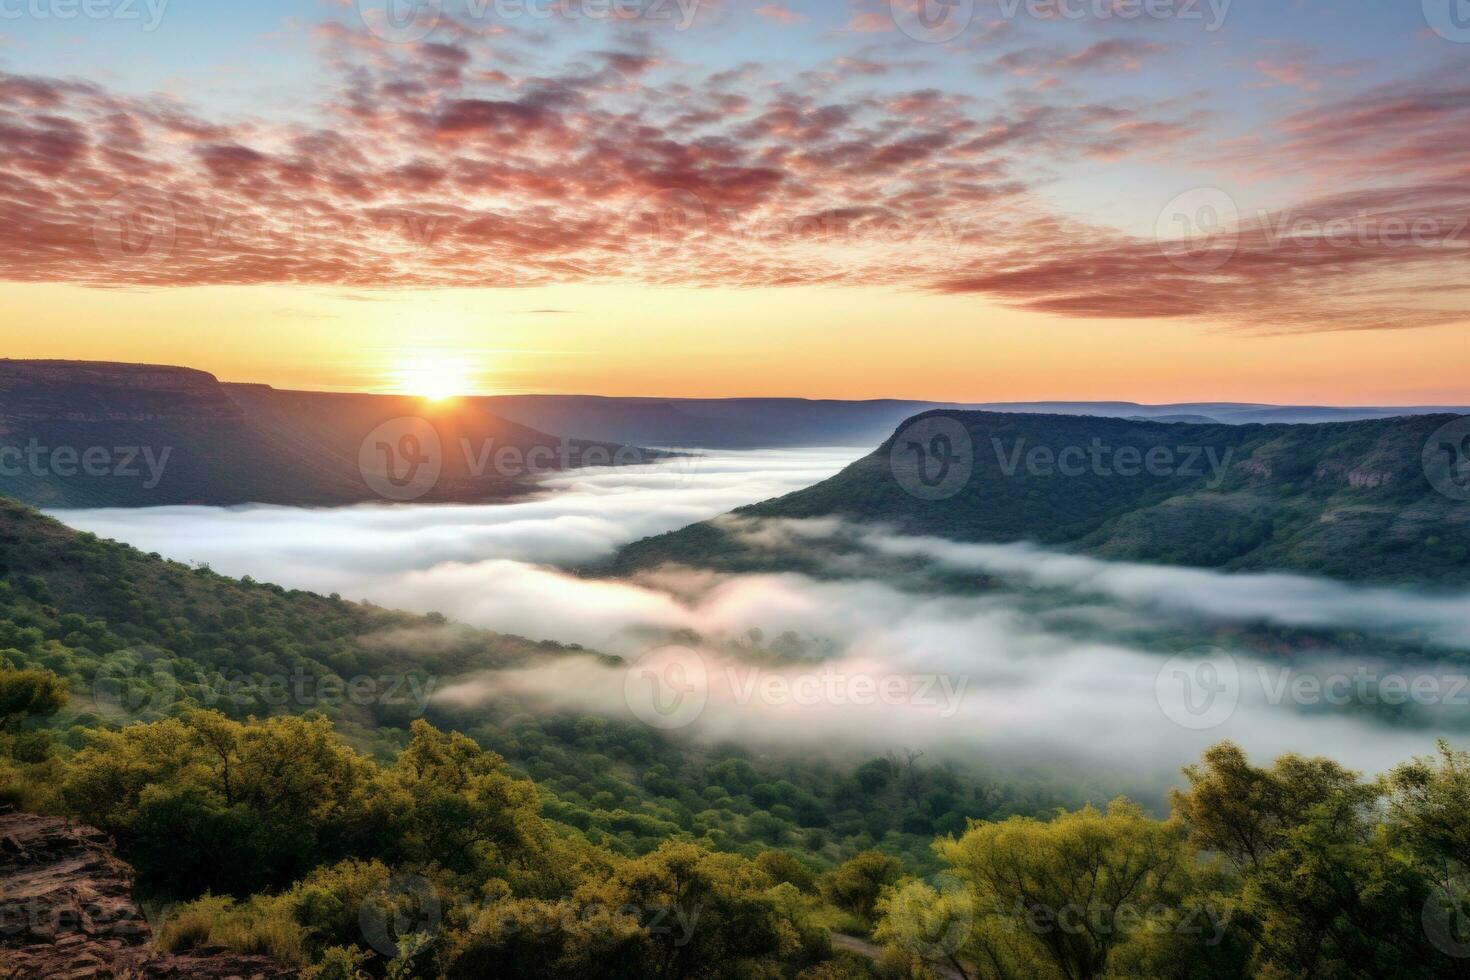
{"points": [[84, 391], [66, 912]]}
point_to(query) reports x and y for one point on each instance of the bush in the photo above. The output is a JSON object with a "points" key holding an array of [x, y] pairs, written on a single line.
{"points": [[261, 925]]}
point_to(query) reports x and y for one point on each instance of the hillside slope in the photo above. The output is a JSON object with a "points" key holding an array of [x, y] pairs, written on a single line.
{"points": [[135, 634], [94, 434], [1349, 500]]}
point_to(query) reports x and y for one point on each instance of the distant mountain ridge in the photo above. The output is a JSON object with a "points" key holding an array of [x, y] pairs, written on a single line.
{"points": [[750, 423], [1349, 500], [98, 434]]}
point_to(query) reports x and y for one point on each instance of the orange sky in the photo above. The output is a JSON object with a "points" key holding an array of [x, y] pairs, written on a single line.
{"points": [[800, 341]]}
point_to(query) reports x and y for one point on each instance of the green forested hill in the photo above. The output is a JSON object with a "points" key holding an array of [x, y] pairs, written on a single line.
{"points": [[159, 633], [1349, 500], [138, 638]]}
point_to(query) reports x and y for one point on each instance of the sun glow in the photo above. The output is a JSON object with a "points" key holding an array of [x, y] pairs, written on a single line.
{"points": [[433, 375]]}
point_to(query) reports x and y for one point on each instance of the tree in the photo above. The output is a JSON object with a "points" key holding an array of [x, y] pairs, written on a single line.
{"points": [[1246, 813], [1429, 809], [1067, 892], [28, 694], [856, 885], [783, 867]]}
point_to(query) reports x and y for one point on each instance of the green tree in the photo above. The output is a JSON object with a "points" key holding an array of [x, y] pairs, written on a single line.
{"points": [[1059, 897], [26, 694], [855, 885]]}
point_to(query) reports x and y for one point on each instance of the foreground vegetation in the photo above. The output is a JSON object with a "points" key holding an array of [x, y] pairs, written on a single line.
{"points": [[276, 837]]}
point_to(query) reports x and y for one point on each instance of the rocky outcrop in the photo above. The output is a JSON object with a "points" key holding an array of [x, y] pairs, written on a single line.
{"points": [[67, 912]]}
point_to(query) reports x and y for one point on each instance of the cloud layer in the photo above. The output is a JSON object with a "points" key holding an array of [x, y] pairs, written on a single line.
{"points": [[478, 157], [1069, 657]]}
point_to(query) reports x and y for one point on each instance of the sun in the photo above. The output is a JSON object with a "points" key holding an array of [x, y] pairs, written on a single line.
{"points": [[435, 376]]}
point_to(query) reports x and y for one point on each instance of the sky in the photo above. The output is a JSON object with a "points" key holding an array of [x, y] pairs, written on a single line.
{"points": [[1156, 200]]}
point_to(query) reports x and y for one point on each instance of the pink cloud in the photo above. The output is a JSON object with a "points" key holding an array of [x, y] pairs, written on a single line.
{"points": [[455, 164], [781, 15]]}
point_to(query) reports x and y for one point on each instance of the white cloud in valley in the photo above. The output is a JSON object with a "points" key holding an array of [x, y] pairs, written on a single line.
{"points": [[1063, 658]]}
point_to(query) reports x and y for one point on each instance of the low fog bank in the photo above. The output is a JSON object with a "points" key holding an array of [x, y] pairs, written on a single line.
{"points": [[1070, 657], [584, 516]]}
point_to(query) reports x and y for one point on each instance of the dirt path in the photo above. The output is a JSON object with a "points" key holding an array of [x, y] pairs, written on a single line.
{"points": [[864, 948]]}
